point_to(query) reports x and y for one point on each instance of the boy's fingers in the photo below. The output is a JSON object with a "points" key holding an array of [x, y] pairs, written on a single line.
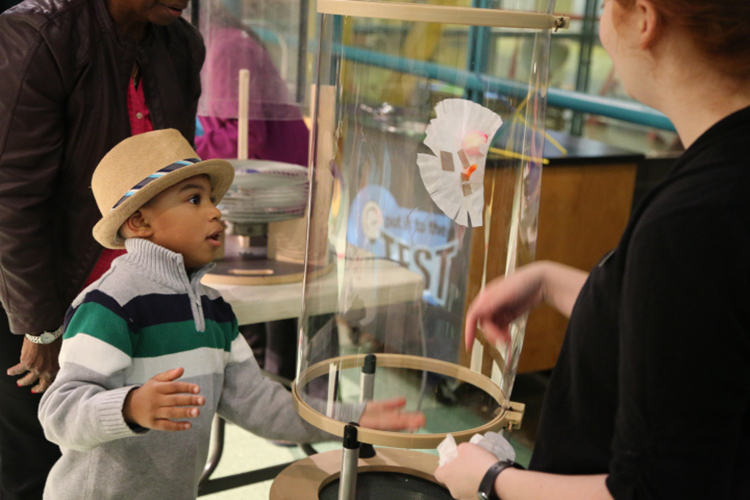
{"points": [[392, 420], [177, 413], [168, 425], [169, 375], [182, 400], [412, 421], [392, 403], [179, 388], [409, 421]]}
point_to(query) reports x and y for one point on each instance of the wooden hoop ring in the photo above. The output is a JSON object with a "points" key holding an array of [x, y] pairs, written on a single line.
{"points": [[397, 439], [442, 14]]}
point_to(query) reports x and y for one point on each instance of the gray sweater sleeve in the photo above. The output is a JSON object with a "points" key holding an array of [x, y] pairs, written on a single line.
{"points": [[80, 412], [264, 407]]}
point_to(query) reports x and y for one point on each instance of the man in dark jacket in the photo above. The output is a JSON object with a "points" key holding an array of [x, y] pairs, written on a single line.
{"points": [[76, 78], [7, 4]]}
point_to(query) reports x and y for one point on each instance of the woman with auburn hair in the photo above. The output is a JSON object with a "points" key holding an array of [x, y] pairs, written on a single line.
{"points": [[650, 398]]}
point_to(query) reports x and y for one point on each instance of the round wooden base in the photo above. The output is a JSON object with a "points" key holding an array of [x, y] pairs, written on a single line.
{"points": [[304, 479]]}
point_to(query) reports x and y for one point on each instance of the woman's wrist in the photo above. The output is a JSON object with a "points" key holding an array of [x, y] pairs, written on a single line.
{"points": [[488, 486], [503, 483], [544, 290], [560, 285]]}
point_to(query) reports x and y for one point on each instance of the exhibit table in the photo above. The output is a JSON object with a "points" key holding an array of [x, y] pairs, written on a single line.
{"points": [[261, 303]]}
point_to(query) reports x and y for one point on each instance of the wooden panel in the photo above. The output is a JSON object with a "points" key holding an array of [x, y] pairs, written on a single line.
{"points": [[583, 211], [496, 179]]}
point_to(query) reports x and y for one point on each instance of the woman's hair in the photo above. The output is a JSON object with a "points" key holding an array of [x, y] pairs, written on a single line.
{"points": [[719, 28]]}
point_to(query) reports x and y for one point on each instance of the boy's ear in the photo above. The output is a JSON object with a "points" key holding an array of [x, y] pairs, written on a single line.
{"points": [[136, 226]]}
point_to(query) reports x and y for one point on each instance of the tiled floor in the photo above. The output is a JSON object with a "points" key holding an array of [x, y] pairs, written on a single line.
{"points": [[245, 452]]}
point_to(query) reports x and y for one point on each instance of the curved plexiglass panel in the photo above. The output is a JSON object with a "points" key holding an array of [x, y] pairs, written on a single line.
{"points": [[267, 38], [425, 183]]}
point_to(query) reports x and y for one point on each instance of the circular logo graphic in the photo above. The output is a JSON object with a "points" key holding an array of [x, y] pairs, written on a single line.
{"points": [[372, 220]]}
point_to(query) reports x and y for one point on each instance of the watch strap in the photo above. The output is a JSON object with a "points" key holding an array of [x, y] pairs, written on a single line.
{"points": [[487, 485], [45, 337]]}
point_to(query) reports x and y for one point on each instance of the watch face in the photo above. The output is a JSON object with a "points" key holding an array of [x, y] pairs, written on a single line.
{"points": [[47, 338]]}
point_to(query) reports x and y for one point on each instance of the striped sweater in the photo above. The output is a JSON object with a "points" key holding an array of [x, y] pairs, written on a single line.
{"points": [[143, 317]]}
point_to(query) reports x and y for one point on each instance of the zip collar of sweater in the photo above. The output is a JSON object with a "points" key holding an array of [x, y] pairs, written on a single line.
{"points": [[160, 264]]}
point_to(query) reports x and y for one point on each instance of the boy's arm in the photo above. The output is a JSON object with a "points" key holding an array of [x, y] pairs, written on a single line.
{"points": [[265, 407], [83, 407], [261, 405]]}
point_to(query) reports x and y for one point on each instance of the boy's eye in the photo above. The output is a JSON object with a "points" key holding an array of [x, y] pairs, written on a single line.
{"points": [[195, 199]]}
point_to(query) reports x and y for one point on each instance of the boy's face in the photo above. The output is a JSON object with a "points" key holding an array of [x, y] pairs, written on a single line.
{"points": [[185, 219]]}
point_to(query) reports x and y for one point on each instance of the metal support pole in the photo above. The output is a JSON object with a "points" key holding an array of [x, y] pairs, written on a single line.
{"points": [[304, 12], [349, 457], [367, 379], [366, 393]]}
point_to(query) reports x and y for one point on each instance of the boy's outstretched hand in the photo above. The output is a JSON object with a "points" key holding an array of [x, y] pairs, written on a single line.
{"points": [[161, 401], [386, 415]]}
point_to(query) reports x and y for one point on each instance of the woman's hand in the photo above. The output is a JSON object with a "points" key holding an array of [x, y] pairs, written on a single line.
{"points": [[505, 299], [502, 301], [463, 474]]}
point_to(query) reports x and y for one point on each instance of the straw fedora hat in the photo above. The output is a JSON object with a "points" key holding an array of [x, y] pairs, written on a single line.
{"points": [[142, 166]]}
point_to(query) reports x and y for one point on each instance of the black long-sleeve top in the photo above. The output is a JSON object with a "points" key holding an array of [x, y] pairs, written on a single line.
{"points": [[653, 382]]}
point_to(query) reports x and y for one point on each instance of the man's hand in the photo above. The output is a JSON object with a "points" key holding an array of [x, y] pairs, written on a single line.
{"points": [[161, 401], [39, 364], [386, 415]]}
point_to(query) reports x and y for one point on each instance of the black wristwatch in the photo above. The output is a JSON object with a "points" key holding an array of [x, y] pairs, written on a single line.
{"points": [[487, 486]]}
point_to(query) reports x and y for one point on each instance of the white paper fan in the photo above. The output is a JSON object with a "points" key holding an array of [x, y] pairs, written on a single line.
{"points": [[459, 136]]}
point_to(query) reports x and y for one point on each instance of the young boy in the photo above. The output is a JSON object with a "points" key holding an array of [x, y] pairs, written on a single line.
{"points": [[147, 346]]}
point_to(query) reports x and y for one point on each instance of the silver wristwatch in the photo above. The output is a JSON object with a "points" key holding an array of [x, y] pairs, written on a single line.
{"points": [[45, 337]]}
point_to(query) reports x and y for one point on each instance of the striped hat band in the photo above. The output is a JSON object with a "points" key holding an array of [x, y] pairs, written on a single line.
{"points": [[161, 173]]}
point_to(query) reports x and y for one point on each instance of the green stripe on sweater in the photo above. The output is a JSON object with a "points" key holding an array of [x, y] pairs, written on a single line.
{"points": [[171, 338], [100, 322], [158, 340]]}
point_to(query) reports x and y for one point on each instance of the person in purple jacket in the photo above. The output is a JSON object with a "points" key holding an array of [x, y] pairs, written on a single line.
{"points": [[276, 130]]}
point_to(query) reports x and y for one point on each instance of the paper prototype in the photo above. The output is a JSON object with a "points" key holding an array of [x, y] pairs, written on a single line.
{"points": [[491, 441], [459, 136]]}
